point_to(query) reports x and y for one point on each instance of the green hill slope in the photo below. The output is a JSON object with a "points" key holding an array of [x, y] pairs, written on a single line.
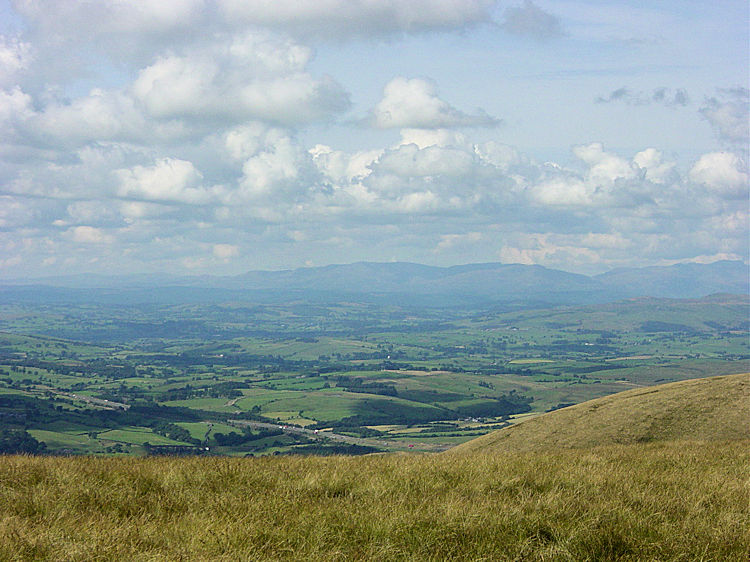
{"points": [[709, 409]]}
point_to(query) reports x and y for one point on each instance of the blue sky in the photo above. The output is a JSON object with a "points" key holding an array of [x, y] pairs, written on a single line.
{"points": [[217, 136]]}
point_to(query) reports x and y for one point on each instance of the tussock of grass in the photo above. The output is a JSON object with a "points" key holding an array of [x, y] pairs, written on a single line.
{"points": [[659, 501]]}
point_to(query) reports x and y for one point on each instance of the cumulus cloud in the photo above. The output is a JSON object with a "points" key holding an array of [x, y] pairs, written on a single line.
{"points": [[110, 25], [15, 213], [556, 249], [432, 137], [98, 117], [111, 16], [605, 168], [15, 106], [169, 179], [280, 169], [529, 19], [91, 212], [89, 235], [255, 76], [728, 113], [525, 212], [660, 96], [724, 173], [414, 103], [608, 180], [252, 76], [225, 251], [341, 18], [656, 169], [15, 56], [411, 161], [346, 18], [206, 134]]}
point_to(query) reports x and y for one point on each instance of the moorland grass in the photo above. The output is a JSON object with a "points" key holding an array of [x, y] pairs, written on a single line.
{"points": [[709, 409], [685, 500]]}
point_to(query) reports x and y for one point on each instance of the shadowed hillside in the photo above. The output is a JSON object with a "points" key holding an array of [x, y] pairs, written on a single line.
{"points": [[709, 409]]}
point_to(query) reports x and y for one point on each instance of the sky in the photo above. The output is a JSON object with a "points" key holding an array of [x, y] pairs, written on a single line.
{"points": [[221, 136]]}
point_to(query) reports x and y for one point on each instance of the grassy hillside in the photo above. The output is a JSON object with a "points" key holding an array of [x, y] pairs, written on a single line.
{"points": [[673, 488], [656, 501], [715, 408]]}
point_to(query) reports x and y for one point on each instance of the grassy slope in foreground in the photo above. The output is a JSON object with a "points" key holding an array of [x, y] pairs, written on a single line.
{"points": [[709, 409], [655, 501]]}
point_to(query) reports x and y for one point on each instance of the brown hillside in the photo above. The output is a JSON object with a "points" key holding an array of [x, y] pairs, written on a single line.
{"points": [[709, 409]]}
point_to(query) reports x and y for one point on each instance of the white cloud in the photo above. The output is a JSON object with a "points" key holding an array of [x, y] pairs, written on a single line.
{"points": [[91, 212], [86, 173], [15, 213], [723, 173], [608, 240], [432, 137], [417, 202], [276, 170], [343, 18], [529, 19], [657, 170], [136, 210], [246, 140], [729, 115], [225, 251], [175, 86], [98, 117], [109, 16], [414, 103], [12, 262], [554, 250], [604, 168], [562, 191], [411, 161], [169, 179], [206, 133], [255, 76], [707, 259], [15, 56], [89, 235], [500, 155], [451, 241], [15, 105], [342, 167]]}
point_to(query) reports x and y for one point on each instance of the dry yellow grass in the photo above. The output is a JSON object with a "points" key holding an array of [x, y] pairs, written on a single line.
{"points": [[673, 498], [660, 501], [715, 408]]}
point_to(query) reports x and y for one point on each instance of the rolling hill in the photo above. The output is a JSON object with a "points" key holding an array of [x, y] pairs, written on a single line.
{"points": [[709, 409]]}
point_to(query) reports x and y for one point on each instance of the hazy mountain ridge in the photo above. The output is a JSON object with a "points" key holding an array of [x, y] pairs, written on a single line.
{"points": [[493, 282], [683, 280]]}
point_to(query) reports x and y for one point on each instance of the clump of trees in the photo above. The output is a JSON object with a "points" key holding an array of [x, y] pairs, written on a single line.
{"points": [[17, 441]]}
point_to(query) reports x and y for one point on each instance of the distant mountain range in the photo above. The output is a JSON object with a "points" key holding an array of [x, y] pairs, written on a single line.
{"points": [[401, 283]]}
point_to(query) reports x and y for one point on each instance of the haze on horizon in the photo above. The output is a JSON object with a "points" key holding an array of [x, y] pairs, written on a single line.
{"points": [[221, 136]]}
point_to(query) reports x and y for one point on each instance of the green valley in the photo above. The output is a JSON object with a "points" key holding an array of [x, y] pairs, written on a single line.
{"points": [[249, 378]]}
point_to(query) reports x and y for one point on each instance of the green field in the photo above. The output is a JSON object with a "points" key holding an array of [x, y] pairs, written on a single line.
{"points": [[137, 436], [97, 370]]}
